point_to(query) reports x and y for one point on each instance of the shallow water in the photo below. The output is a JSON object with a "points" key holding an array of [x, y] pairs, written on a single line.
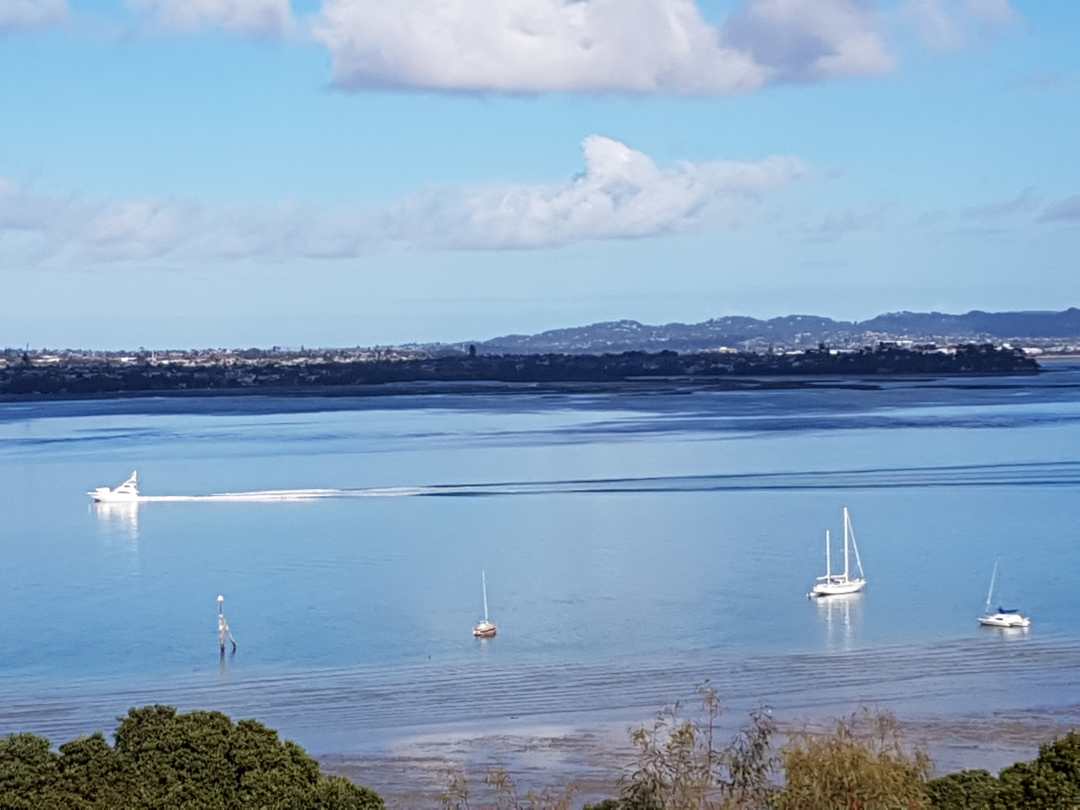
{"points": [[634, 545]]}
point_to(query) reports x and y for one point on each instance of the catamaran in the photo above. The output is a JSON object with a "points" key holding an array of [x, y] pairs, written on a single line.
{"points": [[1005, 617], [127, 491], [837, 584], [486, 628]]}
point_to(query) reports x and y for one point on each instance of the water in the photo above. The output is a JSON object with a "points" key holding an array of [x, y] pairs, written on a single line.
{"points": [[634, 544]]}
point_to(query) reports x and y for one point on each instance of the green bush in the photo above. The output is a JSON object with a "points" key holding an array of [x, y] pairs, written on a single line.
{"points": [[863, 763], [164, 759], [966, 790]]}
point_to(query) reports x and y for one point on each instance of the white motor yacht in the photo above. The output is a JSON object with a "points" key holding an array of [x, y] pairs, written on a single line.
{"points": [[839, 584], [1004, 617], [127, 491]]}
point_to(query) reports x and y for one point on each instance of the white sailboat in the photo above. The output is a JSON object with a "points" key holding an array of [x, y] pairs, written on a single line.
{"points": [[1004, 617], [127, 491], [486, 628], [837, 584]]}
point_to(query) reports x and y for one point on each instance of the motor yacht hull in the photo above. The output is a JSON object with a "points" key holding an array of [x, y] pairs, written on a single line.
{"points": [[106, 495]]}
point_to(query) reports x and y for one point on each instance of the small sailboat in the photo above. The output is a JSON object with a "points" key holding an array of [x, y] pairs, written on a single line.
{"points": [[486, 628], [837, 584], [127, 491], [1004, 617]]}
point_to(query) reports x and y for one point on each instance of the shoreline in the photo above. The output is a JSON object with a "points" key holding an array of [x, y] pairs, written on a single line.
{"points": [[553, 753], [638, 385], [399, 728]]}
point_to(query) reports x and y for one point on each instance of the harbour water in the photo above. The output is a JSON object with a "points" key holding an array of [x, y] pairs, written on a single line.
{"points": [[635, 544]]}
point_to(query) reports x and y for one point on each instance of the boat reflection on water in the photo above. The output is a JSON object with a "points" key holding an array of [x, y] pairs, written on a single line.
{"points": [[120, 517], [842, 618], [1015, 633]]}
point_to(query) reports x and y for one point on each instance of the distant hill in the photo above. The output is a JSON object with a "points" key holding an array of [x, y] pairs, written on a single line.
{"points": [[739, 332]]}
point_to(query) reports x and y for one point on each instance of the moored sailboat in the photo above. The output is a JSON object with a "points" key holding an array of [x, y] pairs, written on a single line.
{"points": [[838, 584], [1003, 617], [486, 628]]}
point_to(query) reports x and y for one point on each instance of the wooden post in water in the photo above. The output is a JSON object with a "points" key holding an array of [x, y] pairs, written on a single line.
{"points": [[223, 627]]}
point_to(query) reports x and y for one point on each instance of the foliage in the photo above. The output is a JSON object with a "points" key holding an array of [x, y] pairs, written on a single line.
{"points": [[965, 790], [682, 766], [164, 759], [863, 763], [457, 794], [1051, 780]]}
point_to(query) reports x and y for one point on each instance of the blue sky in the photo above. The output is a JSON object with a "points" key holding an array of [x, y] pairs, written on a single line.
{"points": [[340, 172]]}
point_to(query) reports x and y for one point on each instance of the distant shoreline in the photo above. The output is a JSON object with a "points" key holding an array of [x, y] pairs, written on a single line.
{"points": [[849, 382], [465, 374]]}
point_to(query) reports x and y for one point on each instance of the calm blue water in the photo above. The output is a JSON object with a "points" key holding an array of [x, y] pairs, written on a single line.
{"points": [[633, 543]]}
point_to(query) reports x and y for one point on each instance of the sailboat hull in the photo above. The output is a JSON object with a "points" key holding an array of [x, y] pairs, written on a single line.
{"points": [[484, 630], [1005, 620], [838, 588]]}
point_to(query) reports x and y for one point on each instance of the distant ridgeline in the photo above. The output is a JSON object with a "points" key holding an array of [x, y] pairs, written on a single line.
{"points": [[82, 377], [799, 331]]}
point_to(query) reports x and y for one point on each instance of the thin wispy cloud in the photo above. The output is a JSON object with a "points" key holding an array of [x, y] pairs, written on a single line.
{"points": [[1066, 211], [19, 15], [951, 24], [837, 225], [621, 194], [1023, 203], [995, 217], [255, 17]]}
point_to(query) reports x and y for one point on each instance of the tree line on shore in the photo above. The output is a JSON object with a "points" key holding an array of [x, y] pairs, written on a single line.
{"points": [[163, 759], [87, 379]]}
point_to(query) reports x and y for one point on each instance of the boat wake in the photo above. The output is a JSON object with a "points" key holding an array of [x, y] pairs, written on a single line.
{"points": [[1042, 474], [271, 495]]}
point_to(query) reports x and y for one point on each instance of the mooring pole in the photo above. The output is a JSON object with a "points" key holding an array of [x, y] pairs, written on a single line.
{"points": [[223, 627]]}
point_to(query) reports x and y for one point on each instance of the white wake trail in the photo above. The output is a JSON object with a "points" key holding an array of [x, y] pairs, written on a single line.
{"points": [[270, 495]]}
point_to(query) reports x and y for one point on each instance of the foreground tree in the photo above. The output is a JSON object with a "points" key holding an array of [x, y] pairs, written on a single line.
{"points": [[681, 765], [966, 790], [1049, 782], [165, 759], [863, 763]]}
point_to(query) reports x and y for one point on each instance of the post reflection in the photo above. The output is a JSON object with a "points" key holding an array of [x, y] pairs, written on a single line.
{"points": [[842, 617], [121, 518]]}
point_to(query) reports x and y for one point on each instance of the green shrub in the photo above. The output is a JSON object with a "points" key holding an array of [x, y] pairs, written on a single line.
{"points": [[164, 759], [965, 790], [863, 763]]}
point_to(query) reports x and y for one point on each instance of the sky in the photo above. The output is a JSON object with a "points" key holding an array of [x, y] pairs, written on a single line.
{"points": [[189, 173]]}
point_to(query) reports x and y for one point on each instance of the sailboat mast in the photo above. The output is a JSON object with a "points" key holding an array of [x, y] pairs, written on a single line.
{"points": [[990, 593], [828, 558], [845, 544], [483, 581]]}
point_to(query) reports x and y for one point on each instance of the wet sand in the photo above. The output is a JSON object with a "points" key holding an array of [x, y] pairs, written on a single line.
{"points": [[592, 757]]}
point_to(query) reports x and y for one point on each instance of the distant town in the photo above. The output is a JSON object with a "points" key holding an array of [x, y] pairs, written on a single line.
{"points": [[905, 342], [65, 375]]}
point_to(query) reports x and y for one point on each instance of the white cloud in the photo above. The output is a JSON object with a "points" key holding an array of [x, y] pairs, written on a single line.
{"points": [[799, 40], [259, 17], [633, 46], [622, 194], [949, 24], [22, 14]]}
